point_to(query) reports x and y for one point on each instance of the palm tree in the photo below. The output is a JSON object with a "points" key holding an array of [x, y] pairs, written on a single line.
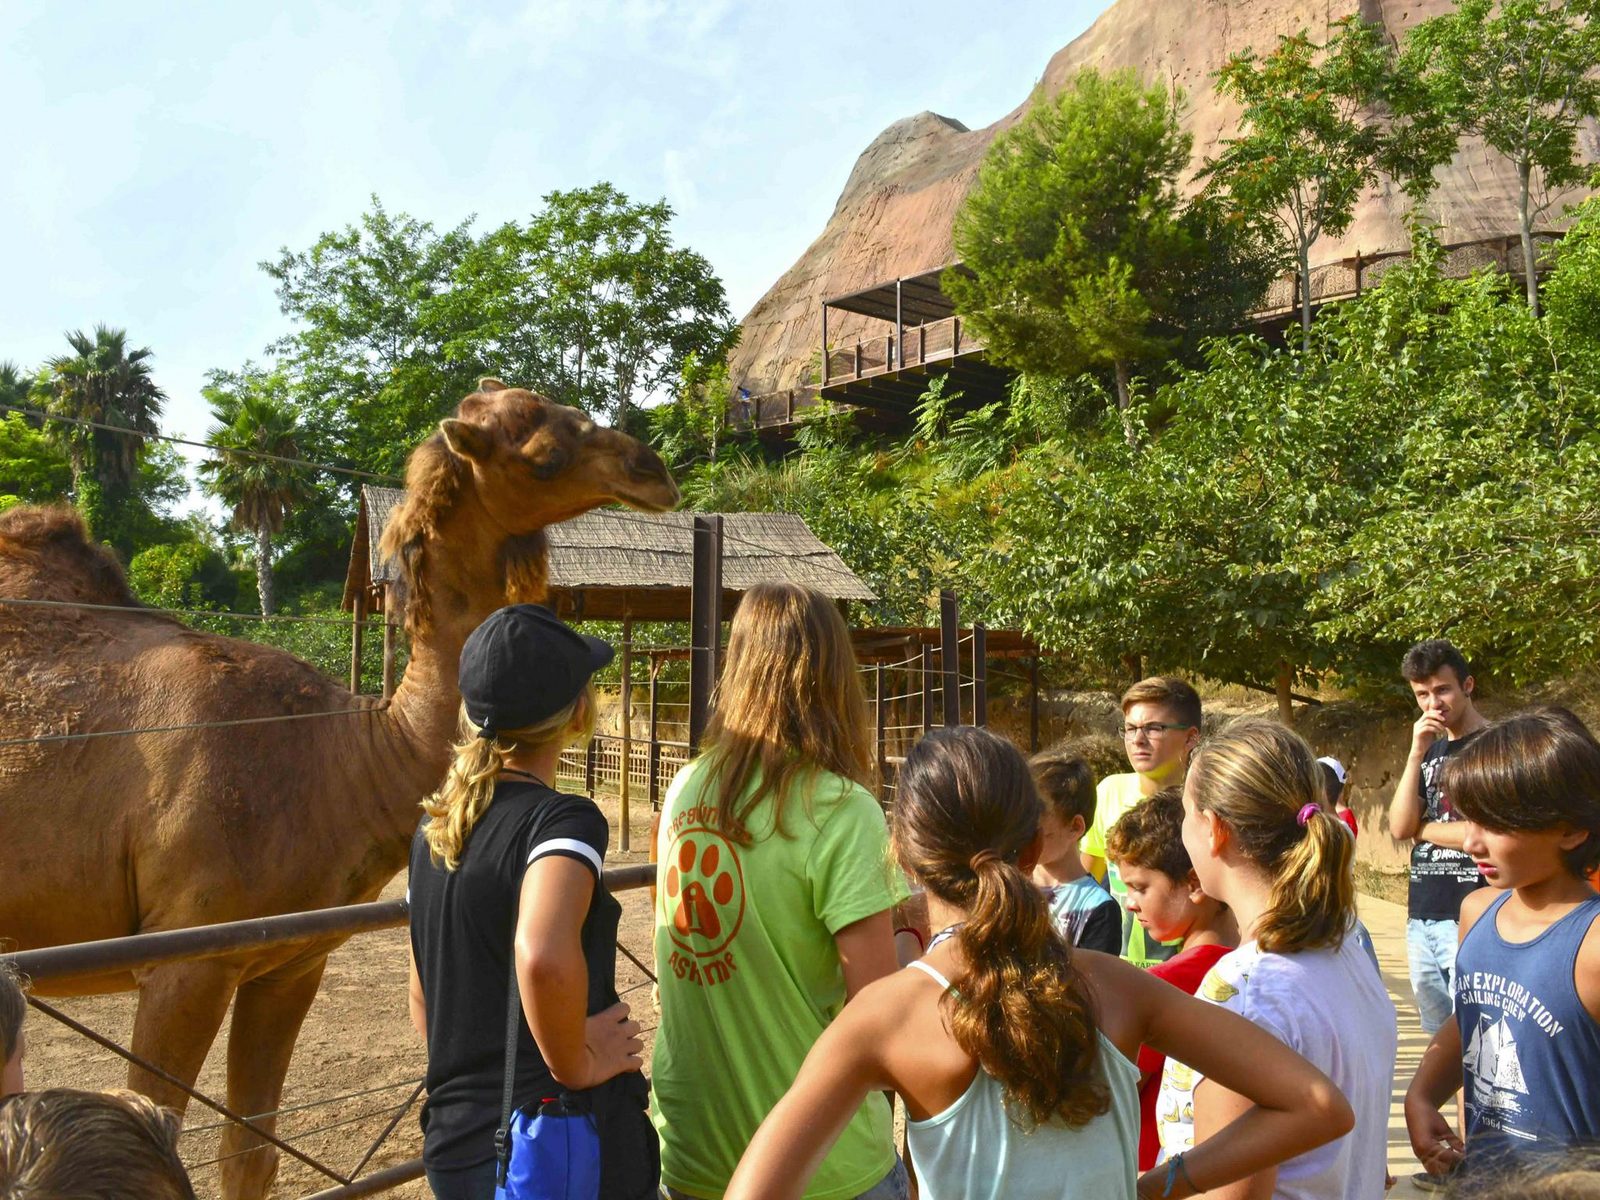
{"points": [[14, 386], [103, 382], [254, 415]]}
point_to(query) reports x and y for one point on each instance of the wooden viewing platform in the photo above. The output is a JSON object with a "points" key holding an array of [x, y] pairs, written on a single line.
{"points": [[884, 376]]}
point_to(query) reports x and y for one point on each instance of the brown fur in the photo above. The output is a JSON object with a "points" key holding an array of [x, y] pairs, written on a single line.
{"points": [[117, 835]]}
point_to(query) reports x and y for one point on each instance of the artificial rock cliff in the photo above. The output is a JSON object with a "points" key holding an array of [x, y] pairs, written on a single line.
{"points": [[895, 215]]}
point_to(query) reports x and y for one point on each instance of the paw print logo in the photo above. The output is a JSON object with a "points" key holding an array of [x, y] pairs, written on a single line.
{"points": [[704, 894]]}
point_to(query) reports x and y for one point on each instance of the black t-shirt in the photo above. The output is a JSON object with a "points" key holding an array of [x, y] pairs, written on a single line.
{"points": [[462, 923], [1441, 877]]}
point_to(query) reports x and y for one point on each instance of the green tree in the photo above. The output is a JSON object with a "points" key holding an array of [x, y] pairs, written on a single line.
{"points": [[1083, 254], [104, 383], [15, 385], [254, 418], [1520, 75], [33, 470], [1308, 145], [186, 574], [589, 302]]}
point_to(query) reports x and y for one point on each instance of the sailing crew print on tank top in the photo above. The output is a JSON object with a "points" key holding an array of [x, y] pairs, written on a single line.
{"points": [[1530, 1049]]}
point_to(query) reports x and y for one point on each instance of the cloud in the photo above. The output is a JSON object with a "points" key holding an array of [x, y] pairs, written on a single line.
{"points": [[680, 186]]}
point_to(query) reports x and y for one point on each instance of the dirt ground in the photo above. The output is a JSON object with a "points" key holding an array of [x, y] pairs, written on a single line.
{"points": [[358, 1059]]}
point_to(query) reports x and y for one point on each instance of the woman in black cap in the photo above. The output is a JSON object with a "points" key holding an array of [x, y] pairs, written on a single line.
{"points": [[505, 860]]}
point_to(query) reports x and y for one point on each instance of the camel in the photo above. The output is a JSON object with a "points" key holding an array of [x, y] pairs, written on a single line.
{"points": [[111, 836]]}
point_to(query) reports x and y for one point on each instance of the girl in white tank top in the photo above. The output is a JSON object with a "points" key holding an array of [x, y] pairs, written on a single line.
{"points": [[1012, 1053]]}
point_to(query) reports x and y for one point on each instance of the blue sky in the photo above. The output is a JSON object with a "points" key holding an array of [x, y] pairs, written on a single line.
{"points": [[155, 153]]}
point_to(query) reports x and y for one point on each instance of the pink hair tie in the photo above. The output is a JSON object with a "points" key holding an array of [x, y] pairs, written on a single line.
{"points": [[1307, 812]]}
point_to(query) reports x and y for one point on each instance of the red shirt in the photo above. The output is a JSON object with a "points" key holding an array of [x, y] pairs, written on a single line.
{"points": [[1186, 970], [1349, 818]]}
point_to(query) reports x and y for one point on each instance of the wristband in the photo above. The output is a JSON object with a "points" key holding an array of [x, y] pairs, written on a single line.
{"points": [[1175, 1167]]}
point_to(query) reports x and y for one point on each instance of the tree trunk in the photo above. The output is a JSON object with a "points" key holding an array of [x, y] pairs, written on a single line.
{"points": [[1134, 665], [1284, 683], [1303, 286], [264, 569], [1525, 223], [1124, 390]]}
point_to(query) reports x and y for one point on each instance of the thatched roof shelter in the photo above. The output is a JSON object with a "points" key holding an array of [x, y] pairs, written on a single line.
{"points": [[612, 563]]}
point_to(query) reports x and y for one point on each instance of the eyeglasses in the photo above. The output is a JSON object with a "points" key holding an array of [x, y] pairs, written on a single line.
{"points": [[1152, 730]]}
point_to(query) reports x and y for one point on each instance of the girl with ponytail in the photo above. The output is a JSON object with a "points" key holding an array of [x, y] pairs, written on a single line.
{"points": [[1012, 1052], [1263, 843]]}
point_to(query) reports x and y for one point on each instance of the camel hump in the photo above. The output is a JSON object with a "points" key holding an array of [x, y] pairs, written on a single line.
{"points": [[46, 554]]}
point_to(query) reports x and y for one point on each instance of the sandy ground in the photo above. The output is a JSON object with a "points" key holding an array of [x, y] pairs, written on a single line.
{"points": [[358, 1059]]}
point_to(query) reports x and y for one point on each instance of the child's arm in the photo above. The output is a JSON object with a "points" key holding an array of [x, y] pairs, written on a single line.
{"points": [[1586, 973], [843, 1067], [1288, 1106], [1438, 1077]]}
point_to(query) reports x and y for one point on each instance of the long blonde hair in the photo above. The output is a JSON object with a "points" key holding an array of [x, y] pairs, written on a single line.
{"points": [[475, 766], [790, 703], [1259, 777]]}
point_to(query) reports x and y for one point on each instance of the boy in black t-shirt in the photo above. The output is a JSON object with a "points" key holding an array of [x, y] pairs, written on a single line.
{"points": [[1441, 873]]}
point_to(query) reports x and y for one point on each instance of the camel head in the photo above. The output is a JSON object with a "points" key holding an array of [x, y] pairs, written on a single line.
{"points": [[505, 466]]}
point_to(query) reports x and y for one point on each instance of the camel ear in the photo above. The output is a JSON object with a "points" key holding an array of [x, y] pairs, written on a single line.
{"points": [[490, 384], [466, 440]]}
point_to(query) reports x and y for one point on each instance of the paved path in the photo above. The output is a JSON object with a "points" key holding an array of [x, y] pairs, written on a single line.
{"points": [[1387, 924]]}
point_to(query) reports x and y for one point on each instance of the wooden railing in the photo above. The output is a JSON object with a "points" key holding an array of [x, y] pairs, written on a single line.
{"points": [[945, 339]]}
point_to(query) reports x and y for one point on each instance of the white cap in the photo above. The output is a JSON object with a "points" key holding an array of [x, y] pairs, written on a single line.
{"points": [[1334, 765]]}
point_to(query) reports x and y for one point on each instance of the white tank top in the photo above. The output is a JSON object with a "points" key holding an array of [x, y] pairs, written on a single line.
{"points": [[974, 1151]]}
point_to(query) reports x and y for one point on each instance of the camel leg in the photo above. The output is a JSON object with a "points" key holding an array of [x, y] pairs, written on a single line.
{"points": [[267, 1015], [181, 1007]]}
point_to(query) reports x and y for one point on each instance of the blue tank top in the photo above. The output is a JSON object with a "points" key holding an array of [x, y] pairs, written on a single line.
{"points": [[1530, 1051]]}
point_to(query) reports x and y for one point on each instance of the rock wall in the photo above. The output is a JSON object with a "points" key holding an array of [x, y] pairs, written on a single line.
{"points": [[895, 214]]}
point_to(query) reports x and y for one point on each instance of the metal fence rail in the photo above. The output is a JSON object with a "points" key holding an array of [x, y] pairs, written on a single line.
{"points": [[141, 950]]}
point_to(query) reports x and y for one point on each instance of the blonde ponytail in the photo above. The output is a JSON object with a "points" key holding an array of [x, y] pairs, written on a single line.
{"points": [[475, 766], [1260, 779]]}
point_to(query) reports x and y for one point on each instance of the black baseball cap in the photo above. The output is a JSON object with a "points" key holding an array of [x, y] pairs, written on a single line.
{"points": [[524, 664]]}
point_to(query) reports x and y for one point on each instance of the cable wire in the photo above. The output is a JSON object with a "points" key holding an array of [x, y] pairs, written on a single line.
{"points": [[178, 441], [80, 737]]}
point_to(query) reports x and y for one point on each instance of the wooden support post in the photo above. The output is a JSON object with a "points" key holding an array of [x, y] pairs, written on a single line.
{"points": [[1033, 705], [624, 783], [927, 687], [955, 336], [899, 329], [980, 675], [888, 352], [858, 358], [788, 406], [705, 622], [922, 343], [358, 617], [388, 645], [950, 657], [879, 716], [655, 738], [590, 754], [824, 345]]}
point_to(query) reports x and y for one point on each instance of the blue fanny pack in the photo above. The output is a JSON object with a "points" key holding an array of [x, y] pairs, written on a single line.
{"points": [[552, 1155]]}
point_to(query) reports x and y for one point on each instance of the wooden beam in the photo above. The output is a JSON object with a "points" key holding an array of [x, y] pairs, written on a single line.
{"points": [[623, 782], [950, 657], [705, 623]]}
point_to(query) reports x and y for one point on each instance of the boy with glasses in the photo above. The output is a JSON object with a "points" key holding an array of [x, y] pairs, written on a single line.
{"points": [[1160, 728]]}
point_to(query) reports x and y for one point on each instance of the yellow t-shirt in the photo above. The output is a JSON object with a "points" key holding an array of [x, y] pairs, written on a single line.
{"points": [[1115, 796]]}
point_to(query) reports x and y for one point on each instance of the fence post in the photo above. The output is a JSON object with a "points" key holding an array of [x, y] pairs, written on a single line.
{"points": [[653, 756], [358, 617], [388, 645], [1033, 705], [980, 675], [858, 358], [589, 757], [955, 336], [950, 657], [927, 687], [705, 622], [824, 345], [624, 787], [880, 718]]}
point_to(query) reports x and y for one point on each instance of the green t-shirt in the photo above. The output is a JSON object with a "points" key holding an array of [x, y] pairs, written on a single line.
{"points": [[750, 973], [1115, 796]]}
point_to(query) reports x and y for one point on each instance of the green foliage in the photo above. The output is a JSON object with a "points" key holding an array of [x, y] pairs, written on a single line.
{"points": [[1520, 75], [182, 575], [1083, 254], [694, 425], [589, 302], [32, 468], [1307, 147], [105, 383], [254, 414]]}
